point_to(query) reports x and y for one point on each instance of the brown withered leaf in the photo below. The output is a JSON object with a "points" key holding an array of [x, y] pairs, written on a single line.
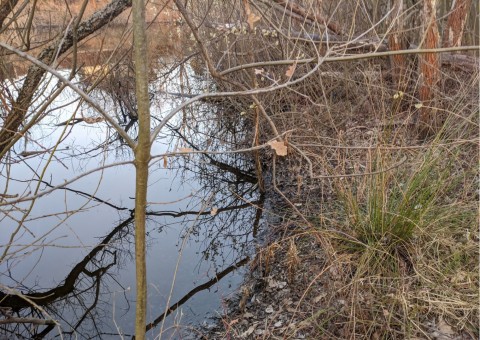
{"points": [[252, 18], [279, 147], [291, 70], [165, 161]]}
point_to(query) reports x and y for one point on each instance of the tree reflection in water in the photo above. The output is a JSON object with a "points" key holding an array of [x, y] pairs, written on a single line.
{"points": [[219, 220]]}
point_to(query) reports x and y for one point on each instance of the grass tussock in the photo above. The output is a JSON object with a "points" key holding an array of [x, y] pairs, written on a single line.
{"points": [[411, 237]]}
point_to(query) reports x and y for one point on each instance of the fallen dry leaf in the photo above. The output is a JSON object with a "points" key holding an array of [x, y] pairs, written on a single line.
{"points": [[248, 331], [319, 298], [445, 328], [279, 147], [291, 310], [252, 18], [291, 70]]}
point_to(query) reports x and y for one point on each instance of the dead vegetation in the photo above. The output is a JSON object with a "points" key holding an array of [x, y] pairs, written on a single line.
{"points": [[390, 250], [378, 190], [372, 167]]}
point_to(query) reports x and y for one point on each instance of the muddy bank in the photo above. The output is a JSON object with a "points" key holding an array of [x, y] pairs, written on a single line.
{"points": [[289, 276]]}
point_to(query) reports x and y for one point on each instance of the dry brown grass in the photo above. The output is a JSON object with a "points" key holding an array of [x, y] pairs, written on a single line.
{"points": [[389, 241]]}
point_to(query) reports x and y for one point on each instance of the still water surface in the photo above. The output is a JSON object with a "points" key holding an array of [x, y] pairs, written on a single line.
{"points": [[85, 230]]}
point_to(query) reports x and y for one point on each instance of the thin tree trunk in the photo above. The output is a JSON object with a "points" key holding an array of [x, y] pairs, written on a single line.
{"points": [[142, 158], [396, 42], [429, 68], [453, 32]]}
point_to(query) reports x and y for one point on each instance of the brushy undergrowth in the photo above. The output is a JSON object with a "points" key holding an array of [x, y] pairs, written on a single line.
{"points": [[411, 235], [389, 227]]}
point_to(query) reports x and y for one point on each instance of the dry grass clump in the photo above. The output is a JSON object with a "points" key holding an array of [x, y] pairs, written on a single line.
{"points": [[413, 245], [407, 229]]}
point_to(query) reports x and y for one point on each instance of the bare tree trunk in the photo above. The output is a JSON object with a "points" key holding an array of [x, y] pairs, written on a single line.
{"points": [[20, 107], [453, 32], [396, 42], [142, 158], [429, 68]]}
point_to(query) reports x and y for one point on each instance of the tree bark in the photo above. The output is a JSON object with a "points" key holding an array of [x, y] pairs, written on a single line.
{"points": [[453, 32], [429, 65], [142, 159], [396, 42], [20, 107]]}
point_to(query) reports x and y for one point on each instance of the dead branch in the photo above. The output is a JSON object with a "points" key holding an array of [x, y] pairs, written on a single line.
{"points": [[297, 9]]}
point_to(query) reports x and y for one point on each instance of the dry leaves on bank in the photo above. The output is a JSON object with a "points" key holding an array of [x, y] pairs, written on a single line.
{"points": [[279, 147]]}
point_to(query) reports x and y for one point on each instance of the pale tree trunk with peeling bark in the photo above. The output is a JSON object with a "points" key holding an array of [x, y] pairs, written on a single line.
{"points": [[142, 159], [429, 66], [453, 32], [396, 42]]}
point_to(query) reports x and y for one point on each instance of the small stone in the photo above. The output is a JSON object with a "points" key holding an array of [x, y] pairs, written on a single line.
{"points": [[278, 324], [269, 309]]}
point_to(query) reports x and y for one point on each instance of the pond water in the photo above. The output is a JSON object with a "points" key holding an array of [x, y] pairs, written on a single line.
{"points": [[71, 250]]}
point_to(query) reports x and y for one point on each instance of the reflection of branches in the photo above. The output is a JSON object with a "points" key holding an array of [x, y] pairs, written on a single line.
{"points": [[18, 302], [35, 74], [192, 212], [221, 165], [89, 196], [194, 291], [60, 186]]}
